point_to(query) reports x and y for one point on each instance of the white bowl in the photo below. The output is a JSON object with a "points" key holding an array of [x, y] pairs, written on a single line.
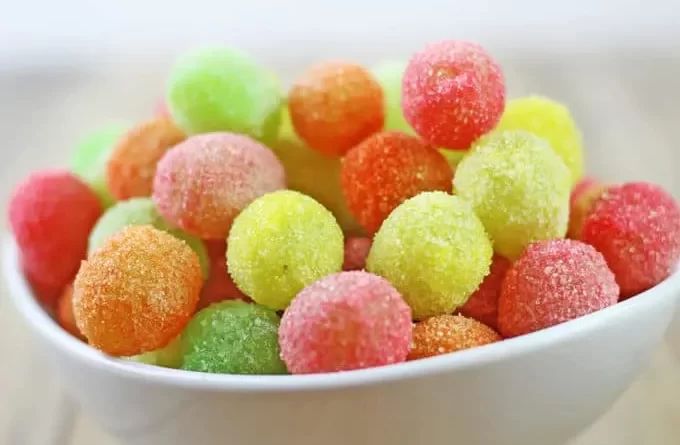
{"points": [[542, 388]]}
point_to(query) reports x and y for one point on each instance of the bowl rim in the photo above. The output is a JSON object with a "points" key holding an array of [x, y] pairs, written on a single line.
{"points": [[39, 320]]}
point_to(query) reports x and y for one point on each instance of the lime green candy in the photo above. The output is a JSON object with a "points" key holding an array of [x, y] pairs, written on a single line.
{"points": [[434, 250], [279, 244], [169, 357], [139, 211], [90, 156], [551, 121], [518, 187], [389, 75], [222, 89], [233, 337]]}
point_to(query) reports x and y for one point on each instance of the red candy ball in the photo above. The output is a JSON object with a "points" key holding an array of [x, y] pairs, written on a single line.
{"points": [[386, 169], [348, 320], [636, 226], [483, 304], [51, 214], [219, 286], [553, 282], [583, 197], [356, 251], [453, 92]]}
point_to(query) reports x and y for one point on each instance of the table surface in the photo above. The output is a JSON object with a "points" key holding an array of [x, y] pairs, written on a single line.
{"points": [[625, 103]]}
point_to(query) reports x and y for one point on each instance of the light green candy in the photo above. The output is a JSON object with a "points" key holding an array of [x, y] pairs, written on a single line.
{"points": [[90, 156], [139, 211], [233, 337], [434, 250], [168, 357], [222, 89], [389, 75], [279, 244], [518, 187], [551, 121]]}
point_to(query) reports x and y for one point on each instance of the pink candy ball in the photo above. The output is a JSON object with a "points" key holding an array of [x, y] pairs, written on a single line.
{"points": [[356, 251], [202, 183], [348, 320]]}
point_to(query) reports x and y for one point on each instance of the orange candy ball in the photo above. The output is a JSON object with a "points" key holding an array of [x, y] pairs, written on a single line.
{"points": [[65, 315], [335, 105], [449, 333], [132, 164], [386, 169], [137, 291]]}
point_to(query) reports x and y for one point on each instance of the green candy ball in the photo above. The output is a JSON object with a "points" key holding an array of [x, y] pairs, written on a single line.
{"points": [[222, 89], [389, 75], [434, 251], [233, 337], [139, 211], [169, 357], [279, 244]]}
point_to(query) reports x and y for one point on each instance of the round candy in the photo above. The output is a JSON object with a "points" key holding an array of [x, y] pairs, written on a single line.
{"points": [[51, 214], [583, 197], [434, 250], [219, 285], [65, 315], [335, 105], [453, 157], [204, 182], [453, 92], [449, 333], [137, 291], [233, 337], [169, 356], [553, 282], [132, 164], [636, 226], [518, 187], [279, 244], [222, 89], [386, 169], [483, 304], [551, 121], [90, 156], [348, 320], [140, 211], [389, 75], [356, 251]]}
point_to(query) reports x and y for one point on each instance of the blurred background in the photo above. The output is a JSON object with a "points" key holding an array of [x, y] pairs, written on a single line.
{"points": [[68, 67]]}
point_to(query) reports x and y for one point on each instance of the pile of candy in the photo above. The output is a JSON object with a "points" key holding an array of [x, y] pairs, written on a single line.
{"points": [[368, 218]]}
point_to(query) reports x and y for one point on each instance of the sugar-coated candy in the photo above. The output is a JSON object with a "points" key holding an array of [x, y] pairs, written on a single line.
{"points": [[356, 251], [389, 75], [386, 169], [219, 286], [345, 321], [222, 89], [50, 213], [552, 282], [453, 157], [132, 164], [141, 211], [483, 304], [279, 244], [233, 337], [453, 93], [434, 250], [169, 356], [446, 333], [583, 197], [137, 291], [335, 105], [518, 187], [65, 315], [91, 155], [204, 182], [551, 121], [636, 226]]}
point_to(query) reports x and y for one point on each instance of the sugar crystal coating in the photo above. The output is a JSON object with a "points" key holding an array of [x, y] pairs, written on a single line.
{"points": [[137, 291], [550, 120], [233, 337], [219, 285], [335, 105], [446, 333], [204, 182], [222, 89], [453, 93], [132, 163], [50, 213], [65, 315], [636, 226], [386, 169], [389, 75], [552, 282], [518, 187], [279, 244], [434, 250], [583, 197], [356, 251], [345, 321], [483, 304]]}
